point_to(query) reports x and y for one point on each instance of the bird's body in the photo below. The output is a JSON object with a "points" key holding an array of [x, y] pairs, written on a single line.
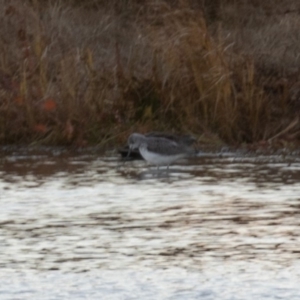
{"points": [[135, 153], [157, 158], [159, 150]]}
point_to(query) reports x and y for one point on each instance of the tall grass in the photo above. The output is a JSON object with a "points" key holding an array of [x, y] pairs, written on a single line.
{"points": [[91, 72]]}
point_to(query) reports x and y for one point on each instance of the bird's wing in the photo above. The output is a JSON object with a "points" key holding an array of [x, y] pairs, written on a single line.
{"points": [[164, 146]]}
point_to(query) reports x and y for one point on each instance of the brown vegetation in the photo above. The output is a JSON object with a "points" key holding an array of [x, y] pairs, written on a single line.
{"points": [[91, 72]]}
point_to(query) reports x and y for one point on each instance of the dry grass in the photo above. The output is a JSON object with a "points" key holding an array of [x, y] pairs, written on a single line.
{"points": [[87, 72]]}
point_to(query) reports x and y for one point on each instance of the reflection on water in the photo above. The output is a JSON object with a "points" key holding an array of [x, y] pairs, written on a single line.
{"points": [[234, 217]]}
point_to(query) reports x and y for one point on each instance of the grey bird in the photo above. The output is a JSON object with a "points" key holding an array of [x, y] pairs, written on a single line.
{"points": [[159, 150], [134, 153]]}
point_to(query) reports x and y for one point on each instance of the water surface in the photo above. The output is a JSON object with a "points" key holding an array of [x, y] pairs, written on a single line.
{"points": [[85, 226]]}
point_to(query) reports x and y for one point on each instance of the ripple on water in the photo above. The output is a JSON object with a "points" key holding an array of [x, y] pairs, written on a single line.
{"points": [[84, 214]]}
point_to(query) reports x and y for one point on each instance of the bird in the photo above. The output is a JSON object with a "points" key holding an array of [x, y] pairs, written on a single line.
{"points": [[159, 150], [134, 153]]}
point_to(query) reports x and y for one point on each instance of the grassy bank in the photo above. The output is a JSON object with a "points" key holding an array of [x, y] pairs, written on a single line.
{"points": [[88, 72]]}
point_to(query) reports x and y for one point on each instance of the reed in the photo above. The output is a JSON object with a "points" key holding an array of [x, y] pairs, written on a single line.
{"points": [[90, 72]]}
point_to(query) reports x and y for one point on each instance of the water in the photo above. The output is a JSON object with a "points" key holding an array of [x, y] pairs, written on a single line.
{"points": [[84, 226]]}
